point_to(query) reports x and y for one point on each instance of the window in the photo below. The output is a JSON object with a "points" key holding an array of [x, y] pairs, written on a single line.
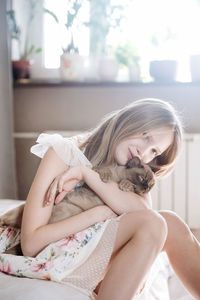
{"points": [[159, 29], [55, 35]]}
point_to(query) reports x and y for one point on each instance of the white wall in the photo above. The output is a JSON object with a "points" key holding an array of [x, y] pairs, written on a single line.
{"points": [[7, 164]]}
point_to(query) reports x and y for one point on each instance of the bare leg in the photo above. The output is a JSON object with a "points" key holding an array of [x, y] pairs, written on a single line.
{"points": [[183, 251], [141, 236]]}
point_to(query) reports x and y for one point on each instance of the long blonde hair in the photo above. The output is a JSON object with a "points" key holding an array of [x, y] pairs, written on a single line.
{"points": [[136, 118]]}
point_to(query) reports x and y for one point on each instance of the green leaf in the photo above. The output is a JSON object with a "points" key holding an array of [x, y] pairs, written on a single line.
{"points": [[30, 50], [38, 50], [51, 14]]}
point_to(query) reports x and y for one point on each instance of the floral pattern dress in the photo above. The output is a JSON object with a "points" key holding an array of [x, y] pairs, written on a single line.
{"points": [[56, 262], [79, 260]]}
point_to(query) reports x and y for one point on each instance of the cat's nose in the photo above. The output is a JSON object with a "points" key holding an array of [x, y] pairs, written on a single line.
{"points": [[145, 185]]}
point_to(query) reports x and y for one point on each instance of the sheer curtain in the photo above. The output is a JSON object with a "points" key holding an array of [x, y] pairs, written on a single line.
{"points": [[7, 160]]}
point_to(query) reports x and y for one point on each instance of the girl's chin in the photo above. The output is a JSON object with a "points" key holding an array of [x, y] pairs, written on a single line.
{"points": [[122, 162]]}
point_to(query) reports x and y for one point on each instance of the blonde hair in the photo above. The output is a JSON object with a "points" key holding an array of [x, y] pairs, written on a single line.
{"points": [[136, 118]]}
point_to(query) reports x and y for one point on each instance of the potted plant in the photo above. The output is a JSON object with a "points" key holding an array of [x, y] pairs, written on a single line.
{"points": [[128, 57], [104, 15], [163, 69], [71, 63], [195, 67], [21, 67], [195, 62]]}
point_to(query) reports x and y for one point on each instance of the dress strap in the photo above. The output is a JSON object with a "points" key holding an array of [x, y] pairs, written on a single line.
{"points": [[66, 148]]}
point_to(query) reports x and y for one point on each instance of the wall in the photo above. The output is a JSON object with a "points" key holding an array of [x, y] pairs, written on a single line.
{"points": [[70, 106], [7, 166], [74, 107]]}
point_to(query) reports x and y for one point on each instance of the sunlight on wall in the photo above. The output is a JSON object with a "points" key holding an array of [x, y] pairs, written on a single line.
{"points": [[159, 29]]}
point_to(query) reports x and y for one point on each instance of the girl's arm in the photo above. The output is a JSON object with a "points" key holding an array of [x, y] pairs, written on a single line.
{"points": [[35, 232], [119, 201]]}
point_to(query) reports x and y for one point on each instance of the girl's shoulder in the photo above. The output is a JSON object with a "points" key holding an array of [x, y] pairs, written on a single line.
{"points": [[79, 138], [66, 148]]}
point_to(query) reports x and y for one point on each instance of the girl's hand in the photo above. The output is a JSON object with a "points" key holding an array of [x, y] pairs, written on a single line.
{"points": [[63, 184]]}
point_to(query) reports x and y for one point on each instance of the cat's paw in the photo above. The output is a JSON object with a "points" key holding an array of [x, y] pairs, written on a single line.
{"points": [[13, 217], [4, 221], [126, 186], [104, 173]]}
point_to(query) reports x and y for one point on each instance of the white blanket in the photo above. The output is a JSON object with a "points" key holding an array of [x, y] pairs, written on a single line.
{"points": [[162, 285]]}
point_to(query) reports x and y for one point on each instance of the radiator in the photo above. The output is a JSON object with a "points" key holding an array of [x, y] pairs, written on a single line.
{"points": [[180, 191]]}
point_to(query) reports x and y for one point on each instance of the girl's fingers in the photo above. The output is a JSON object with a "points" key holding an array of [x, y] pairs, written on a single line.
{"points": [[68, 186], [50, 189], [60, 185], [68, 176], [60, 197], [46, 200], [52, 192], [63, 178]]}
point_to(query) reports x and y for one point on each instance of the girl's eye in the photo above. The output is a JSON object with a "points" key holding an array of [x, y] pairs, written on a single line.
{"points": [[154, 152]]}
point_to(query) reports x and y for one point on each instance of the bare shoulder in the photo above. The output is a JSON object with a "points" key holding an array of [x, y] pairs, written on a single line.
{"points": [[50, 166]]}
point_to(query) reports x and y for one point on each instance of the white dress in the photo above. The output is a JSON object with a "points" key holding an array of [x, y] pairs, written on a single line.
{"points": [[93, 261], [79, 260]]}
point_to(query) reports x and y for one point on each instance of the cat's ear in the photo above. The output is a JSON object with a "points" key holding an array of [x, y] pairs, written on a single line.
{"points": [[153, 169], [134, 162]]}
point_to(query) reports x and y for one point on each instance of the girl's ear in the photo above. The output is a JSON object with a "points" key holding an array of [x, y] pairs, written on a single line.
{"points": [[134, 162]]}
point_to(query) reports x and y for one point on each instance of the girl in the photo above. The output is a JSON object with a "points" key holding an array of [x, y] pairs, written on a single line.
{"points": [[151, 130]]}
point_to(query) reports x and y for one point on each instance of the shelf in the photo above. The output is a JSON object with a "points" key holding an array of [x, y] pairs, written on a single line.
{"points": [[26, 83]]}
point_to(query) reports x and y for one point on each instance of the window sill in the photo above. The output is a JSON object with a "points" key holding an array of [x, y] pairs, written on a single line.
{"points": [[23, 83]]}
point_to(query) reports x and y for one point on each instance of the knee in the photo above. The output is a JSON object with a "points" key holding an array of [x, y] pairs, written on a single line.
{"points": [[176, 226], [154, 227]]}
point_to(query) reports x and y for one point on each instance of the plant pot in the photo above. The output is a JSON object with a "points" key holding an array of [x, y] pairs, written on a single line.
{"points": [[21, 69], [134, 73], [163, 70], [72, 67], [108, 69], [91, 68], [195, 67]]}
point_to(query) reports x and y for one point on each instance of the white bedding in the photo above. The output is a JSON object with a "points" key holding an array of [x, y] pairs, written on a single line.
{"points": [[15, 288], [164, 285]]}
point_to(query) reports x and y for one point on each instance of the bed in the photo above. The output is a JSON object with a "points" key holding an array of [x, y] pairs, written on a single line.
{"points": [[164, 284]]}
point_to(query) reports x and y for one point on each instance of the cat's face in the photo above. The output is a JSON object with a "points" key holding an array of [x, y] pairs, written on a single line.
{"points": [[142, 176]]}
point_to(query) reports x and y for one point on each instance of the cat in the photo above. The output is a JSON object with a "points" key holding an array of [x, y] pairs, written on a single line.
{"points": [[135, 176]]}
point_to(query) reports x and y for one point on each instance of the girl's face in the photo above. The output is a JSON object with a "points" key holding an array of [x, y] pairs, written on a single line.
{"points": [[146, 146]]}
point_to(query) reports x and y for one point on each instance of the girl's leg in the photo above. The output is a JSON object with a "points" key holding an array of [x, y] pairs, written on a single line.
{"points": [[141, 236], [183, 251]]}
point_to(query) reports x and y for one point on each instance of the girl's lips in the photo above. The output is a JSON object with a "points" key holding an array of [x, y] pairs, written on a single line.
{"points": [[130, 155]]}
